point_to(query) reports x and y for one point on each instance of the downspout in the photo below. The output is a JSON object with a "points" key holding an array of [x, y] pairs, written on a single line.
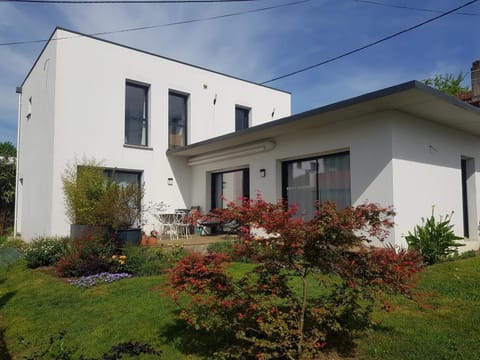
{"points": [[17, 172]]}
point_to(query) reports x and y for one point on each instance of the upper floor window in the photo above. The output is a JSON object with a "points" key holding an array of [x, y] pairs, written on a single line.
{"points": [[136, 114], [177, 119], [242, 115]]}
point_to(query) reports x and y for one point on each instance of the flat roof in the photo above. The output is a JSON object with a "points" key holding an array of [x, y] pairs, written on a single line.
{"points": [[411, 97], [141, 51]]}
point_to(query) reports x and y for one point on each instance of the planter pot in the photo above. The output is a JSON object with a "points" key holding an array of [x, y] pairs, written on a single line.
{"points": [[80, 231], [152, 240], [129, 236], [144, 240]]}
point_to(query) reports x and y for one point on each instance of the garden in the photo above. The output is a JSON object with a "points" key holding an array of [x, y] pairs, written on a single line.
{"points": [[284, 288]]}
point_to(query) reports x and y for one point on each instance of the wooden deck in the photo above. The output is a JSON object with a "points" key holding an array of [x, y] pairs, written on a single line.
{"points": [[195, 243]]}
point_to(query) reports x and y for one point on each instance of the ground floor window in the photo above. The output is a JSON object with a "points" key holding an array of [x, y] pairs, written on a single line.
{"points": [[323, 178], [229, 186], [124, 177]]}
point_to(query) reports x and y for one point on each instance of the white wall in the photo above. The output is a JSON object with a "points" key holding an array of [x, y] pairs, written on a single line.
{"points": [[427, 172], [88, 120], [368, 139], [35, 148]]}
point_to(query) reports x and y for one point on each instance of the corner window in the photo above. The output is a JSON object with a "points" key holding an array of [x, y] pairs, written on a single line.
{"points": [[229, 186], [177, 119], [136, 114], [325, 178], [242, 116]]}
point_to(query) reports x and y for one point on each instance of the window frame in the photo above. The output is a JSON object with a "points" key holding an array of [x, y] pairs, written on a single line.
{"points": [[248, 112], [146, 88], [284, 174], [186, 97], [213, 182]]}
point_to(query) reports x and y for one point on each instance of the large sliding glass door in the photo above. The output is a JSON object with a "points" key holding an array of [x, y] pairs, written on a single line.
{"points": [[229, 186], [325, 178]]}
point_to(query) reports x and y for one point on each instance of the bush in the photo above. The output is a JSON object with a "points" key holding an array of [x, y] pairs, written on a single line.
{"points": [[434, 240], [229, 248], [44, 251], [264, 315], [87, 255], [145, 261]]}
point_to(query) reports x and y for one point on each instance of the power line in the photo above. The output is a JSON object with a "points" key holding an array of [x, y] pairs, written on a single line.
{"points": [[163, 25], [124, 1], [370, 44], [412, 8]]}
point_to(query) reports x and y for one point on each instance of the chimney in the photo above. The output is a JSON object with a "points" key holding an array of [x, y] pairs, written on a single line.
{"points": [[475, 75]]}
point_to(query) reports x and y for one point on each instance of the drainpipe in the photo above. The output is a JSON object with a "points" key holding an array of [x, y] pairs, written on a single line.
{"points": [[17, 172]]}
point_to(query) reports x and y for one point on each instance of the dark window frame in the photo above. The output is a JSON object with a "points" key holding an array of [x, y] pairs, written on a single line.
{"points": [[146, 89], [243, 123], [214, 179], [186, 98], [284, 175]]}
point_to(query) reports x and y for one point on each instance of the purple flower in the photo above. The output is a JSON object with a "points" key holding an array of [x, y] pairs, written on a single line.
{"points": [[92, 280]]}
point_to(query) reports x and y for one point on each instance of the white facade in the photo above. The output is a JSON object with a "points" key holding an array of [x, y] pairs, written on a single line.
{"points": [[406, 145], [73, 107]]}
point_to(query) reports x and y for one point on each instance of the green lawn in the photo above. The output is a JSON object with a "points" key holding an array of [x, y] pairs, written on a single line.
{"points": [[35, 306]]}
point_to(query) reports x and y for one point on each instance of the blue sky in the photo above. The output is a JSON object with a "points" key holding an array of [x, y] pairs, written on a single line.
{"points": [[262, 45]]}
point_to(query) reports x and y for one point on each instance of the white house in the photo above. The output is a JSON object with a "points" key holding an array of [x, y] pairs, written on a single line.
{"points": [[202, 135]]}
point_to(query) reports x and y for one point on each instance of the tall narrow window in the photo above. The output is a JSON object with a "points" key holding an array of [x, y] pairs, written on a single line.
{"points": [[325, 178], [229, 186], [177, 119], [242, 115], [136, 114]]}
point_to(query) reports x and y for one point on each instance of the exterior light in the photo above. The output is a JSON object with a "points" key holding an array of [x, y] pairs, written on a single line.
{"points": [[263, 172], [170, 181]]}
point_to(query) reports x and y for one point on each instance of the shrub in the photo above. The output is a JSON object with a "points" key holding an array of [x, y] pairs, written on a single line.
{"points": [[44, 251], [263, 314], [145, 261], [93, 199], [87, 255], [434, 240], [229, 248]]}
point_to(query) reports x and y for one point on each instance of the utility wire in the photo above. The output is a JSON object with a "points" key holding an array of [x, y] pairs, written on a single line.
{"points": [[124, 1], [162, 25], [412, 8], [370, 44]]}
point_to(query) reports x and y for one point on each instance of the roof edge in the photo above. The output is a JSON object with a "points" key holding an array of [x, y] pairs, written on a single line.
{"points": [[409, 85], [148, 53], [41, 53]]}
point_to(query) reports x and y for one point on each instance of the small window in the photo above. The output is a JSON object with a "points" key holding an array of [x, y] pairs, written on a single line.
{"points": [[177, 119], [242, 115], [136, 114]]}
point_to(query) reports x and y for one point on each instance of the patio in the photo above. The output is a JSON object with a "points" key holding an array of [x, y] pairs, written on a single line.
{"points": [[195, 242]]}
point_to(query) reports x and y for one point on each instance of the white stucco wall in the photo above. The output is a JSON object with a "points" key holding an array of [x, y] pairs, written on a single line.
{"points": [[368, 140], [35, 147], [395, 159], [426, 169], [86, 119]]}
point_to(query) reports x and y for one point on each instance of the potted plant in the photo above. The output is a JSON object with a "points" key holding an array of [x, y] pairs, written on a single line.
{"points": [[98, 204]]}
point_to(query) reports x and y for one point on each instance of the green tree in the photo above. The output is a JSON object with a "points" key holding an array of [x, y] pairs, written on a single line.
{"points": [[7, 186], [447, 83], [7, 149]]}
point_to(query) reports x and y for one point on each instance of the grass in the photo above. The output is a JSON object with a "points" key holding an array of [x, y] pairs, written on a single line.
{"points": [[445, 327], [34, 306]]}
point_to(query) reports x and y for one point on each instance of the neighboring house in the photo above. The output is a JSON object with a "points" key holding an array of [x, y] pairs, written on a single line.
{"points": [[409, 145]]}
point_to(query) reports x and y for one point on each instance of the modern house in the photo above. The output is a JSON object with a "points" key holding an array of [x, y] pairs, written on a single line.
{"points": [[194, 137]]}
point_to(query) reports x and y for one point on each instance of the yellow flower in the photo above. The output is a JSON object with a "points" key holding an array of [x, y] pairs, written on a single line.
{"points": [[114, 257]]}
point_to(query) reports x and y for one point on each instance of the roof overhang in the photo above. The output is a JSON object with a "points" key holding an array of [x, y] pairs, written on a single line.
{"points": [[412, 97]]}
